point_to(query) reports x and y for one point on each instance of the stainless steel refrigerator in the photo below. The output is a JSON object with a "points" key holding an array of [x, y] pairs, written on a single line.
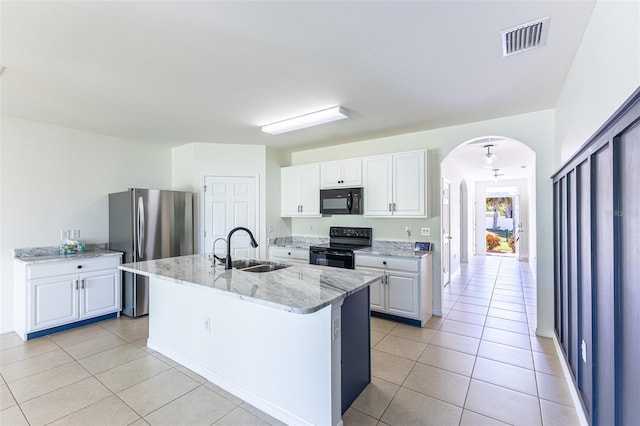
{"points": [[148, 224]]}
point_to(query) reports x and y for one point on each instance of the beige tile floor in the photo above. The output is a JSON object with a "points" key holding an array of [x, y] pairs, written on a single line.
{"points": [[480, 364]]}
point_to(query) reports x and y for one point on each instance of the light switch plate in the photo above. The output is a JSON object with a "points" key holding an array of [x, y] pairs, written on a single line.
{"points": [[426, 232], [75, 234], [64, 234]]}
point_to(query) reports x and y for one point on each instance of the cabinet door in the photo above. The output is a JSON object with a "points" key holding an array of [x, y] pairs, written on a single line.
{"points": [[100, 292], [377, 186], [351, 173], [331, 175], [289, 192], [377, 295], [309, 189], [341, 174], [54, 301], [403, 294], [409, 184]]}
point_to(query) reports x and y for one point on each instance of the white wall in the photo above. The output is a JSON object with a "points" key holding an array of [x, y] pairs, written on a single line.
{"points": [[535, 130], [191, 162], [453, 173], [54, 178], [276, 225], [604, 73]]}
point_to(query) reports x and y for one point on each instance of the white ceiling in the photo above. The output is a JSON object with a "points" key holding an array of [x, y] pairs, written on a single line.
{"points": [[178, 72], [514, 160]]}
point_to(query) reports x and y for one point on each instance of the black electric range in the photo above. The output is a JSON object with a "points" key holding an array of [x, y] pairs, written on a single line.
{"points": [[342, 243]]}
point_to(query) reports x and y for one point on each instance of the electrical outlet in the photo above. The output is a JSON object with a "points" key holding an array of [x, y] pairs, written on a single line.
{"points": [[206, 325], [64, 234], [426, 232], [75, 234]]}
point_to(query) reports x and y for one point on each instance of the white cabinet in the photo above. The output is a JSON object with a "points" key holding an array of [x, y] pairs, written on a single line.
{"points": [[300, 190], [58, 293], [54, 301], [341, 174], [406, 288], [395, 185], [289, 255]]}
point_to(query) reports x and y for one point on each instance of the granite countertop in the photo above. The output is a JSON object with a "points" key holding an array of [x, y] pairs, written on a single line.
{"points": [[297, 242], [390, 251], [301, 289], [379, 247], [52, 254]]}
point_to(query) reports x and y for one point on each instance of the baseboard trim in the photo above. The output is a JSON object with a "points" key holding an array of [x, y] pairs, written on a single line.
{"points": [[577, 402], [545, 332]]}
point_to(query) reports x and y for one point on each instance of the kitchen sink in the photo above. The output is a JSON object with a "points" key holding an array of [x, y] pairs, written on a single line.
{"points": [[249, 265], [245, 263]]}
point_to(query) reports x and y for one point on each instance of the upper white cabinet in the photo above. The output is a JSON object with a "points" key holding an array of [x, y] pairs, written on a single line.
{"points": [[341, 174], [300, 190], [395, 185]]}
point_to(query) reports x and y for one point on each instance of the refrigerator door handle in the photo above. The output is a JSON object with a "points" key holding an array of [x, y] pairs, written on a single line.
{"points": [[140, 227]]}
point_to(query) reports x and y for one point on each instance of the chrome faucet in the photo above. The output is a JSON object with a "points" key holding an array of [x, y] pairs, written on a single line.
{"points": [[254, 244], [219, 259]]}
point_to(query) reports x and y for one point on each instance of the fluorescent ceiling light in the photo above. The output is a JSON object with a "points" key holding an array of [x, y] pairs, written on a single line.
{"points": [[307, 120]]}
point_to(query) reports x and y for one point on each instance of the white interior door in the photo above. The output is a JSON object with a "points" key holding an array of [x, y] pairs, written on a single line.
{"points": [[230, 201], [446, 232]]}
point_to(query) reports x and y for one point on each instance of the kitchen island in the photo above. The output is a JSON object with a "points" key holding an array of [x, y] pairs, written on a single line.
{"points": [[289, 341]]}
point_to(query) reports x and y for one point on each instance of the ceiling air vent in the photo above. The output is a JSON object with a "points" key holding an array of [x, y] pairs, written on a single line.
{"points": [[525, 37]]}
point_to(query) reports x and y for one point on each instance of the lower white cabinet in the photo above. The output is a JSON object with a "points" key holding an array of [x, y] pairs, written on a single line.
{"points": [[289, 255], [53, 294], [406, 289]]}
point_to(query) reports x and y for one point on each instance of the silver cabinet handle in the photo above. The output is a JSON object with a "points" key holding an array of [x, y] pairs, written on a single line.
{"points": [[390, 207], [82, 284], [300, 209], [76, 283], [140, 227], [394, 207]]}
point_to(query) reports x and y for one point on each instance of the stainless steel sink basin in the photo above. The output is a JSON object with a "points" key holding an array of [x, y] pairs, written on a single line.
{"points": [[245, 263], [249, 265]]}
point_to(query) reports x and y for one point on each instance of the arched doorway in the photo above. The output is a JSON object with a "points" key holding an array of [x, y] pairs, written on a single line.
{"points": [[474, 169]]}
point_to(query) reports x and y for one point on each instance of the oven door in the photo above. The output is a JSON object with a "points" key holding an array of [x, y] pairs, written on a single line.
{"points": [[329, 257]]}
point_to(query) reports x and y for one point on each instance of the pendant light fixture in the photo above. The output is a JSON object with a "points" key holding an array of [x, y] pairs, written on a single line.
{"points": [[496, 174], [489, 158]]}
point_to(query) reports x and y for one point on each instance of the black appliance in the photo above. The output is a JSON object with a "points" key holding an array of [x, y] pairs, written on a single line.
{"points": [[339, 251], [341, 201]]}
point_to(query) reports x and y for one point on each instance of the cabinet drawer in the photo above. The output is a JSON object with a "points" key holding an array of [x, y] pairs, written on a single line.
{"points": [[408, 265], [74, 266], [283, 253]]}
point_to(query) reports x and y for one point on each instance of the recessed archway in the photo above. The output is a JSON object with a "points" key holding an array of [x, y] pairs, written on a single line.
{"points": [[472, 176]]}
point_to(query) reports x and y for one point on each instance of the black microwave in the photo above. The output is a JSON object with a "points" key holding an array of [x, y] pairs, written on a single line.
{"points": [[341, 201]]}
